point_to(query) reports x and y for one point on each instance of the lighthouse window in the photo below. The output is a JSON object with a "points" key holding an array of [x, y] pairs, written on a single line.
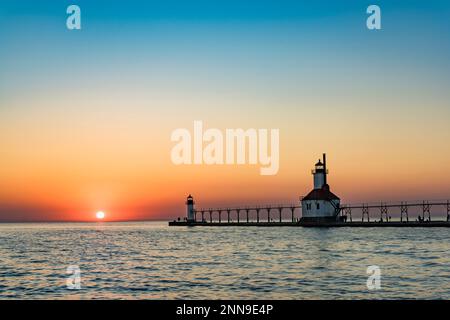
{"points": [[308, 206], [318, 206]]}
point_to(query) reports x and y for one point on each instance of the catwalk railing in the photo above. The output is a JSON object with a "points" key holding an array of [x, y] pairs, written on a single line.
{"points": [[274, 212], [383, 209]]}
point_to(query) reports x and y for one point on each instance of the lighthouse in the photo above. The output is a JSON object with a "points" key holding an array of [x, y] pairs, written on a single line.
{"points": [[320, 205], [190, 214]]}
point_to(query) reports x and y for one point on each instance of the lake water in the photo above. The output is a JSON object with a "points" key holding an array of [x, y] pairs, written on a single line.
{"points": [[149, 260]]}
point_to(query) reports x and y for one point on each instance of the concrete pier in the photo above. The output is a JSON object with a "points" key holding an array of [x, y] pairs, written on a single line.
{"points": [[321, 208], [370, 215]]}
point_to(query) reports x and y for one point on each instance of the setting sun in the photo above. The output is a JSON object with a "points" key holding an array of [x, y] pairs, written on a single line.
{"points": [[100, 215]]}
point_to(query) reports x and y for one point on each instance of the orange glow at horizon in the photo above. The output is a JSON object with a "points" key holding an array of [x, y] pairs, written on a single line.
{"points": [[64, 165]]}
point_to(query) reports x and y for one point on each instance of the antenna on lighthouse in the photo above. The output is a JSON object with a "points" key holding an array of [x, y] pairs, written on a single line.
{"points": [[325, 169]]}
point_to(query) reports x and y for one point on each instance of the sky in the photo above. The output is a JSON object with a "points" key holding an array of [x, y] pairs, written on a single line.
{"points": [[86, 115]]}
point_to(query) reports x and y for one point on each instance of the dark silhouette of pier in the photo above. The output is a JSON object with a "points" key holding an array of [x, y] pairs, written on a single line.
{"points": [[370, 215], [383, 210], [320, 207], [263, 213]]}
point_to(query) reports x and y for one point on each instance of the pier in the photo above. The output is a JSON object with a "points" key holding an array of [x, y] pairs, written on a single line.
{"points": [[367, 215], [321, 208]]}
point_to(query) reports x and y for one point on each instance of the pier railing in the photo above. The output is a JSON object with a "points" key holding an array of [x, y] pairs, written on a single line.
{"points": [[382, 210], [273, 213], [245, 211]]}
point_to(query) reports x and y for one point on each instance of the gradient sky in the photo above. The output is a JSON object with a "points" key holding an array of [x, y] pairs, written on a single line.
{"points": [[86, 115]]}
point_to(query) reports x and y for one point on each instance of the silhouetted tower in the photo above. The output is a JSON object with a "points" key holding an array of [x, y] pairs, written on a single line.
{"points": [[320, 173], [190, 214], [320, 204]]}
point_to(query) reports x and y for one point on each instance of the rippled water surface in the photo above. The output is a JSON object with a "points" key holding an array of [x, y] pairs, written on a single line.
{"points": [[149, 260]]}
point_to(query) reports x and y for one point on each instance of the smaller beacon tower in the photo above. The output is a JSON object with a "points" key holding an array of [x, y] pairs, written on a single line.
{"points": [[190, 214]]}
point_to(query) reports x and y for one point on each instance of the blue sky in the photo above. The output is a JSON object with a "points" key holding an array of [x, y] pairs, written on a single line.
{"points": [[215, 10], [219, 33], [279, 51]]}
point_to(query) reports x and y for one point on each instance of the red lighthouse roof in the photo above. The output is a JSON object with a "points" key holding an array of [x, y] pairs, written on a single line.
{"points": [[321, 194]]}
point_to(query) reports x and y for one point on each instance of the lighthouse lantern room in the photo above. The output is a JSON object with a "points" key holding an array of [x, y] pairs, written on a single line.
{"points": [[320, 205]]}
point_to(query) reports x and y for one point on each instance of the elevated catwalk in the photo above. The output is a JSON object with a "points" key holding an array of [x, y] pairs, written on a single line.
{"points": [[370, 215]]}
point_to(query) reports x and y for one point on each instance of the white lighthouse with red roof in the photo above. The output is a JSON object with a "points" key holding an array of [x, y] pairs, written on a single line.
{"points": [[320, 205]]}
